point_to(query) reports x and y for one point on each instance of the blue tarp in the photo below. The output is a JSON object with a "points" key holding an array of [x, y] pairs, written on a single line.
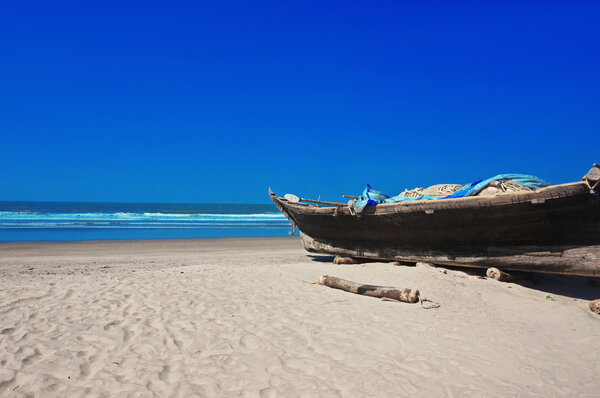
{"points": [[371, 197]]}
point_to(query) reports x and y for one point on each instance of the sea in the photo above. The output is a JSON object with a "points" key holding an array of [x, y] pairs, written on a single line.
{"points": [[79, 221]]}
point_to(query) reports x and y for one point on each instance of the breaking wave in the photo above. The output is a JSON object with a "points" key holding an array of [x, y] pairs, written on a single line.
{"points": [[13, 219]]}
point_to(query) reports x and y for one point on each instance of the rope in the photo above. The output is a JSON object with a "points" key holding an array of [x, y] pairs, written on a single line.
{"points": [[434, 304], [591, 187], [351, 207]]}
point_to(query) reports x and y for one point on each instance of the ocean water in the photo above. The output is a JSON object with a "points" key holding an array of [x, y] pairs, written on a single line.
{"points": [[73, 221]]}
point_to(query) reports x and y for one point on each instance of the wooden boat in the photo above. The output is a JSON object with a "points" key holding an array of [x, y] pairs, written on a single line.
{"points": [[554, 229]]}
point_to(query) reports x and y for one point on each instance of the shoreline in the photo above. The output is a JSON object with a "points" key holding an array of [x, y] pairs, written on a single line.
{"points": [[109, 241], [157, 244]]}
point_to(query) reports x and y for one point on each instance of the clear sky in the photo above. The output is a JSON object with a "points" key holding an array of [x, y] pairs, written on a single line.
{"points": [[217, 101]]}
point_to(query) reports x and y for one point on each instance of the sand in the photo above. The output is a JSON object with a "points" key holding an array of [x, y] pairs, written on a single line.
{"points": [[237, 317]]}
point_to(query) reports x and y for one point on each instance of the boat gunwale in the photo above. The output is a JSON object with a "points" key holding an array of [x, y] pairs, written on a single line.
{"points": [[507, 198]]}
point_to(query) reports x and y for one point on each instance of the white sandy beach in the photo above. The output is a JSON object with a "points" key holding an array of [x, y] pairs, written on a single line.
{"points": [[236, 317]]}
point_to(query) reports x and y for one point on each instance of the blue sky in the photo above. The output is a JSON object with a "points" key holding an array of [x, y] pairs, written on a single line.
{"points": [[215, 102]]}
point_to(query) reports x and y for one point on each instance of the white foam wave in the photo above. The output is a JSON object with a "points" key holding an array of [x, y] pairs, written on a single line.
{"points": [[21, 216]]}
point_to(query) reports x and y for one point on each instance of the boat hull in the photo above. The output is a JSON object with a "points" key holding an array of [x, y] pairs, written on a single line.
{"points": [[554, 229]]}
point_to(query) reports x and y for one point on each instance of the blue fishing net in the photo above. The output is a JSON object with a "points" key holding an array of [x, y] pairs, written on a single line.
{"points": [[371, 197]]}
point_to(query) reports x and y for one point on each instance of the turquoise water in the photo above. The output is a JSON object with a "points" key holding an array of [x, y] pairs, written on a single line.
{"points": [[72, 221]]}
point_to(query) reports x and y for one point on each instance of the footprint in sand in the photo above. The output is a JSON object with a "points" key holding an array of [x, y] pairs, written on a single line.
{"points": [[127, 334], [53, 387], [250, 342], [31, 358], [163, 375], [84, 370], [111, 324], [177, 343]]}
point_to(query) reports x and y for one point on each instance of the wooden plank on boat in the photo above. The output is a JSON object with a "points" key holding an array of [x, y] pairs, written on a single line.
{"points": [[573, 261], [322, 202]]}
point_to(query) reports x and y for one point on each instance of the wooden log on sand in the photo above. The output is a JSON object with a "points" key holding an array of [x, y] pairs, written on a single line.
{"points": [[495, 273], [344, 260], [405, 295], [595, 306]]}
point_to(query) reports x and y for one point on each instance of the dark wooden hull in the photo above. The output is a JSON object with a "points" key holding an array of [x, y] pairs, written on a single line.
{"points": [[554, 229]]}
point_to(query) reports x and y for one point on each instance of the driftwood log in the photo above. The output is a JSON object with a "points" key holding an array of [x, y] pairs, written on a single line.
{"points": [[344, 260], [495, 273], [595, 306], [405, 295]]}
